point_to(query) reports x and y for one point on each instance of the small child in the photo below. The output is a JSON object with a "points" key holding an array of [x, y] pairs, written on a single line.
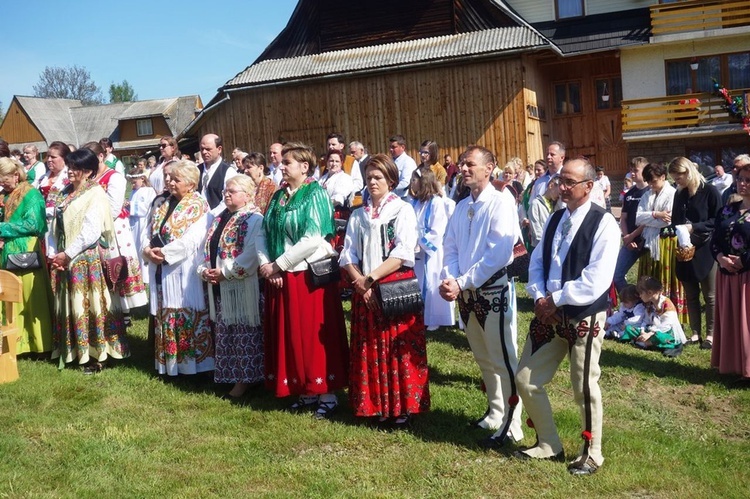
{"points": [[660, 327], [630, 313]]}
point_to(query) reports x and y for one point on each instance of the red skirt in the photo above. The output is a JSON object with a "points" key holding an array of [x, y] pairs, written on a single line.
{"points": [[731, 345], [306, 351], [388, 371]]}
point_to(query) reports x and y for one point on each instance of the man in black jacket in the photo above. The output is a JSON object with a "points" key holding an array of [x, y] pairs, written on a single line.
{"points": [[214, 172], [569, 277]]}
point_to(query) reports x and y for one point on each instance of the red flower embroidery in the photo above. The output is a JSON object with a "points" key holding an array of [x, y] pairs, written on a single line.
{"points": [[586, 435], [513, 400], [529, 423]]}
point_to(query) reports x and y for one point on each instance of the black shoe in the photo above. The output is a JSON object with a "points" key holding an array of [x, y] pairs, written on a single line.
{"points": [[492, 442], [707, 345], [558, 458], [586, 468], [694, 342], [475, 423], [673, 352], [93, 368]]}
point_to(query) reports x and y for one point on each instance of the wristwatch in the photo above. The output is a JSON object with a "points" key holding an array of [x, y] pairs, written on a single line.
{"points": [[369, 280]]}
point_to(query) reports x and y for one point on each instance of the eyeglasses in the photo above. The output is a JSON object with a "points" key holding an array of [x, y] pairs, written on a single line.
{"points": [[231, 192], [743, 180], [162, 146], [569, 183], [424, 152]]}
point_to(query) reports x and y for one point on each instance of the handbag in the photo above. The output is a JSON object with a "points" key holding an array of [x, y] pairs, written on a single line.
{"points": [[324, 271], [521, 260], [400, 296], [23, 261], [115, 269]]}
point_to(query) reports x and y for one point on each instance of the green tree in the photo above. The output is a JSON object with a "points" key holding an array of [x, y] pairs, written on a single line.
{"points": [[122, 92], [68, 83], [2, 112]]}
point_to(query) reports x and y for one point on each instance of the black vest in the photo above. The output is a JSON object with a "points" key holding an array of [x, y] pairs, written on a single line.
{"points": [[215, 185], [577, 258]]}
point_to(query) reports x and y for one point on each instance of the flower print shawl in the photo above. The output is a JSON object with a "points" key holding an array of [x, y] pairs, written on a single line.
{"points": [[238, 261], [188, 211]]}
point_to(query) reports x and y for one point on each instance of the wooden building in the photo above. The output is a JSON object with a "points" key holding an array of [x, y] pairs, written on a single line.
{"points": [[458, 72], [133, 127]]}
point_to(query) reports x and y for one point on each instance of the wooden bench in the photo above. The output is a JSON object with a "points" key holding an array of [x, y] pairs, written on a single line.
{"points": [[11, 292]]}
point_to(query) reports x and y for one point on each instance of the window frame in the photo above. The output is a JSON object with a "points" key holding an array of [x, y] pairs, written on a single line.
{"points": [[146, 122], [723, 76], [568, 83], [557, 10]]}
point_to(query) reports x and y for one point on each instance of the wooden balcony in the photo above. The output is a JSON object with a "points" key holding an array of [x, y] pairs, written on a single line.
{"points": [[688, 16], [678, 112]]}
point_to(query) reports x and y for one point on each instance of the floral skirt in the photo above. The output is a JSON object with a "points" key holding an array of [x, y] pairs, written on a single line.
{"points": [[183, 341], [239, 351], [87, 325], [305, 337], [388, 373], [132, 292], [665, 271]]}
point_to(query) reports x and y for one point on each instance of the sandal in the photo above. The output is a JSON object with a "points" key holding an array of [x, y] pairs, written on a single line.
{"points": [[304, 403], [325, 409], [707, 345]]}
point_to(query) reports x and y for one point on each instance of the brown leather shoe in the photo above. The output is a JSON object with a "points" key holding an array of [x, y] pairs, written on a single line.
{"points": [[585, 468]]}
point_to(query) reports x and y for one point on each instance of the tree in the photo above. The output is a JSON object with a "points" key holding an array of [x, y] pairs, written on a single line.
{"points": [[2, 112], [122, 92], [68, 83]]}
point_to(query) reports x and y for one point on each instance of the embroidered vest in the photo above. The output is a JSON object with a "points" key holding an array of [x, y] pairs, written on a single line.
{"points": [[577, 258]]}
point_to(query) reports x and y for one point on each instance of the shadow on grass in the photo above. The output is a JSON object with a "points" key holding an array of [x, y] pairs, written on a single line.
{"points": [[663, 367], [451, 336]]}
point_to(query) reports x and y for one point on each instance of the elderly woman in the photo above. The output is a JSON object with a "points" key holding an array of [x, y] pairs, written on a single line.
{"points": [[230, 267], [730, 246], [88, 326], [183, 343], [263, 186], [654, 214], [433, 211], [340, 188], [389, 378], [695, 206], [306, 347], [56, 177], [131, 292], [22, 226]]}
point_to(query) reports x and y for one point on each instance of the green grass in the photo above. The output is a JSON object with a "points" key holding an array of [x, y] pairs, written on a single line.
{"points": [[672, 428]]}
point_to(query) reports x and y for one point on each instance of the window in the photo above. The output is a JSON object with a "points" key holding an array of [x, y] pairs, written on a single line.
{"points": [[707, 158], [144, 127], [568, 8], [608, 93], [732, 70], [568, 98]]}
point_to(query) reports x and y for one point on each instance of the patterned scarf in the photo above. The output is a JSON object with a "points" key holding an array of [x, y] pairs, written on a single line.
{"points": [[188, 210], [14, 199]]}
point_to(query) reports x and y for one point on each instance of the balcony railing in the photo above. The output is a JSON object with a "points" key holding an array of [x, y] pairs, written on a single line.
{"points": [[676, 111], [680, 17]]}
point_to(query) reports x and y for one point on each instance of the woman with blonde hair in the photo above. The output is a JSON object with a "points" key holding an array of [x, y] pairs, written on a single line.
{"points": [[22, 227], [183, 341], [694, 210]]}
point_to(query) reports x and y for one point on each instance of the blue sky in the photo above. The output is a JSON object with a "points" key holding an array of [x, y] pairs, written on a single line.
{"points": [[163, 49]]}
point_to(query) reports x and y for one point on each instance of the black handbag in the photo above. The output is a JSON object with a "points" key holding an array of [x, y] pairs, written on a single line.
{"points": [[400, 297], [324, 271], [23, 261]]}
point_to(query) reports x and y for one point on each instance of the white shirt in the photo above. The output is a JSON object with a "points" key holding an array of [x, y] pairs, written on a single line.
{"points": [[406, 166], [363, 244], [339, 187], [356, 174], [275, 173], [722, 183], [39, 169], [596, 277], [478, 246]]}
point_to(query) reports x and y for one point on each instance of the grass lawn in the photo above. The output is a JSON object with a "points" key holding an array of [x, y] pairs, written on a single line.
{"points": [[672, 428]]}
